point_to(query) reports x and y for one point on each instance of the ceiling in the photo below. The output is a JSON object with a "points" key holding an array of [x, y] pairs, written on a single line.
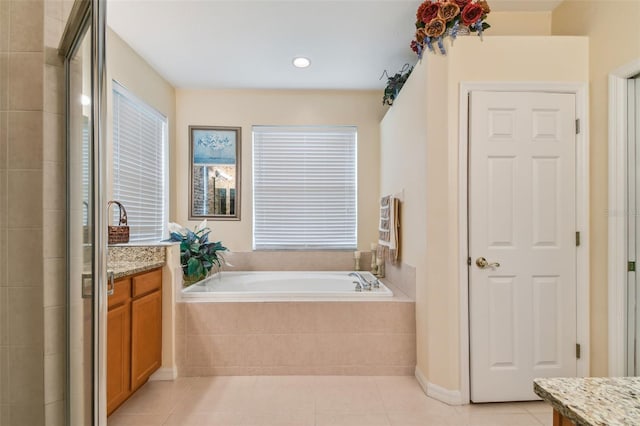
{"points": [[251, 44]]}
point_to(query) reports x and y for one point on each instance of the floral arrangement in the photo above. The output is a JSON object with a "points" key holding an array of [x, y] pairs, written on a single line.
{"points": [[198, 255], [436, 19], [395, 83]]}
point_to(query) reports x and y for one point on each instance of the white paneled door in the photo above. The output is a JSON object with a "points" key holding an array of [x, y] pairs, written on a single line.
{"points": [[522, 242]]}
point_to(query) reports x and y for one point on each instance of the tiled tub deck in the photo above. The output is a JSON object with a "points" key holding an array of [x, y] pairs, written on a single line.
{"points": [[296, 338]]}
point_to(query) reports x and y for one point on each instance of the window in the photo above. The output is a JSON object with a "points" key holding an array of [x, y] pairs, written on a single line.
{"points": [[139, 144], [304, 187]]}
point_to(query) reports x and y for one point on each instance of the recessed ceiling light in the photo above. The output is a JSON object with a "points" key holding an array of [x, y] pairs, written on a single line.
{"points": [[301, 62]]}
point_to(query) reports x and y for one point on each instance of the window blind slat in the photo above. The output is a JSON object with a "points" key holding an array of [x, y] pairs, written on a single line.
{"points": [[139, 139], [305, 187]]}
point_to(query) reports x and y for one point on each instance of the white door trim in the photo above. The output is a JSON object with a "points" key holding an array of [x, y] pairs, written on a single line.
{"points": [[582, 213], [617, 215]]}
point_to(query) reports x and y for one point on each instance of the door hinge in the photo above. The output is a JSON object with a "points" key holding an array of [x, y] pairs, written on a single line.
{"points": [[631, 266], [577, 238], [469, 261], [578, 350], [577, 126]]}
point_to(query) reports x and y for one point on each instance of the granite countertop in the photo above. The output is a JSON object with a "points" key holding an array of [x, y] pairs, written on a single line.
{"points": [[593, 401], [122, 269]]}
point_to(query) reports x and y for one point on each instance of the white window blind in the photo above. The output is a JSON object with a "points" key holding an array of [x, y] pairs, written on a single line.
{"points": [[304, 187], [139, 141]]}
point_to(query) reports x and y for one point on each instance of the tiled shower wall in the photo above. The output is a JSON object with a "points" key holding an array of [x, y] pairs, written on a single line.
{"points": [[32, 216]]}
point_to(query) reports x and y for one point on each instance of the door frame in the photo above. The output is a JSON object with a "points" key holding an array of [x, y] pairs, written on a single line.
{"points": [[580, 90], [617, 216]]}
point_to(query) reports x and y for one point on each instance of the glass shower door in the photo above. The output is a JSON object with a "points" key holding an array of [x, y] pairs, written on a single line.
{"points": [[633, 225], [83, 48]]}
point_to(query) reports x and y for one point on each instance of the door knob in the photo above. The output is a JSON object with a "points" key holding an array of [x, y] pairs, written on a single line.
{"points": [[483, 264]]}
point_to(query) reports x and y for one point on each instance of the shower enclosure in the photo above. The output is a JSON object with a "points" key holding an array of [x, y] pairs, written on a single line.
{"points": [[83, 47]]}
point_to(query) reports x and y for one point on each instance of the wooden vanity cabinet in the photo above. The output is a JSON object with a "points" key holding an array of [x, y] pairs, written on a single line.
{"points": [[134, 335]]}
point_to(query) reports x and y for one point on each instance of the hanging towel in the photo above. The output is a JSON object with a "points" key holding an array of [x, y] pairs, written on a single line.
{"points": [[389, 230]]}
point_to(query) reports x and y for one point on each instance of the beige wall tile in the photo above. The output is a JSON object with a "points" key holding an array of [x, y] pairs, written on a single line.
{"points": [[25, 198], [198, 351], [54, 331], [54, 280], [4, 267], [52, 57], [54, 89], [26, 377], [29, 413], [54, 235], [25, 81], [25, 317], [53, 138], [24, 266], [53, 9], [4, 375], [4, 316], [5, 17], [54, 414], [24, 141], [55, 378], [52, 31], [4, 80], [54, 186], [26, 26]]}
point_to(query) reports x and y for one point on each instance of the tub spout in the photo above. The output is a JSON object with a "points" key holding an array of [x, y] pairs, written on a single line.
{"points": [[366, 285]]}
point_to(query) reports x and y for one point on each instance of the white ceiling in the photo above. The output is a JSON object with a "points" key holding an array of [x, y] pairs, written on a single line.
{"points": [[250, 44]]}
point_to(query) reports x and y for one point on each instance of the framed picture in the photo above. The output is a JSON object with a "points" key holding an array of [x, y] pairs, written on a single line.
{"points": [[214, 165]]}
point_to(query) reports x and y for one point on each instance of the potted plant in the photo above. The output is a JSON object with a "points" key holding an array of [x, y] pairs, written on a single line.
{"points": [[198, 255]]}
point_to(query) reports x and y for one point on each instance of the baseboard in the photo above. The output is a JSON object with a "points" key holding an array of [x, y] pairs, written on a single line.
{"points": [[451, 397], [164, 374]]}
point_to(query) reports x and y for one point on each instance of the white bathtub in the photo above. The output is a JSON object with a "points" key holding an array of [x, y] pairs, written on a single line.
{"points": [[283, 286]]}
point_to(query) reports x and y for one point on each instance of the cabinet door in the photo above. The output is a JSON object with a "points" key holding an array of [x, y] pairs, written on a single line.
{"points": [[146, 329], [118, 355]]}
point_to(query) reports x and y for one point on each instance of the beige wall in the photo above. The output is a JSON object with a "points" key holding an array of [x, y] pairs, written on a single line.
{"points": [[612, 28], [433, 170], [245, 108], [126, 67], [519, 23]]}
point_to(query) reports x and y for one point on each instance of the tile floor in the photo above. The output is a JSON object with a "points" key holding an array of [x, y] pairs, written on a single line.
{"points": [[311, 401]]}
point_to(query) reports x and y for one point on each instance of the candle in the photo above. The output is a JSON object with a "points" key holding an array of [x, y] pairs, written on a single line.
{"points": [[374, 246], [379, 261], [356, 255]]}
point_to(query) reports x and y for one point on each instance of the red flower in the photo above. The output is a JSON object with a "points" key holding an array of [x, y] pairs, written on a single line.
{"points": [[421, 9], [461, 3], [430, 12], [471, 13]]}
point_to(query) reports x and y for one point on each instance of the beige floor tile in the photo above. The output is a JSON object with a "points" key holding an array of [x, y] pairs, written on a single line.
{"points": [[539, 407], [498, 407], [545, 419], [342, 419], [412, 418], [286, 417], [159, 397], [220, 418], [494, 419], [136, 419]]}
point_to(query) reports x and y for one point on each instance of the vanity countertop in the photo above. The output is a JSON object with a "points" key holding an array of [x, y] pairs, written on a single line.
{"points": [[123, 269], [593, 401]]}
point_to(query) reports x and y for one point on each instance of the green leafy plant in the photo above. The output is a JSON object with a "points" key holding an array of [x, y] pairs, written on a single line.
{"points": [[198, 255], [395, 83]]}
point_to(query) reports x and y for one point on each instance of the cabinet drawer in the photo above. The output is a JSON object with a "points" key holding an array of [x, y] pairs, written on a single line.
{"points": [[121, 293], [147, 282]]}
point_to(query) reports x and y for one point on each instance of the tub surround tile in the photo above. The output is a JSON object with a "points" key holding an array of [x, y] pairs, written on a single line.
{"points": [[4, 79], [26, 28], [26, 82], [5, 19], [23, 270], [24, 140], [403, 277], [25, 211]]}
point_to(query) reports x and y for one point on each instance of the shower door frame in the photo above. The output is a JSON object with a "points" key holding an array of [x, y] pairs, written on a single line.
{"points": [[92, 13]]}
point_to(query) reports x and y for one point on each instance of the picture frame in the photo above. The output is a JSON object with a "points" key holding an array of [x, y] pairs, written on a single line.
{"points": [[214, 172]]}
